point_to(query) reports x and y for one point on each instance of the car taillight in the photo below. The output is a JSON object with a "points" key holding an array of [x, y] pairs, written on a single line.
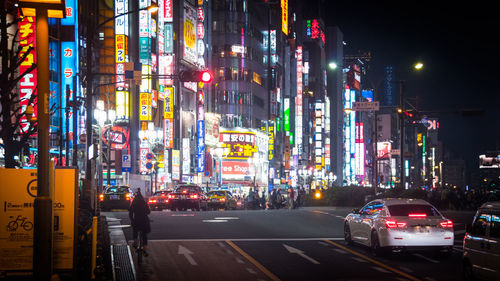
{"points": [[222, 199], [171, 196], [152, 201], [447, 223], [194, 196], [101, 197], [128, 196], [417, 216], [394, 224]]}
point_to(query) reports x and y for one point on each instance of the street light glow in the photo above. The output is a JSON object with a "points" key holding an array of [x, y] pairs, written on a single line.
{"points": [[332, 65], [419, 66]]}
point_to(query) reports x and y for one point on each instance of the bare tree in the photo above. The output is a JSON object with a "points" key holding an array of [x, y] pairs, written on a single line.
{"points": [[15, 137]]}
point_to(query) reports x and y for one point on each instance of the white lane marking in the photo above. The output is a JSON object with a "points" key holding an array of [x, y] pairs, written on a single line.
{"points": [[238, 260], [323, 243], [359, 259], [340, 217], [214, 220], [187, 254], [247, 239], [380, 269], [426, 258], [251, 270], [340, 251], [300, 253], [223, 245], [227, 218], [182, 215]]}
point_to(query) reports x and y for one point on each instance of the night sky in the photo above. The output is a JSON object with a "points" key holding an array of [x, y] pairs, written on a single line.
{"points": [[457, 45]]}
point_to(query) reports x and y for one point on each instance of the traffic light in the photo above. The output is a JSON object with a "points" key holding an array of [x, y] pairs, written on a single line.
{"points": [[204, 76]]}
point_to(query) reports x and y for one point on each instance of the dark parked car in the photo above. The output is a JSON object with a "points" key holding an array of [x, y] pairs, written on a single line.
{"points": [[187, 197], [116, 197], [159, 200]]}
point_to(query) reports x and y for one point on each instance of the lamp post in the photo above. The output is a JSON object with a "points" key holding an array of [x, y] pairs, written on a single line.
{"points": [[91, 31], [42, 231]]}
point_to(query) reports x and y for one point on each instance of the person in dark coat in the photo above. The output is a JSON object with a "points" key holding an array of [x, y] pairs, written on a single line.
{"points": [[138, 213]]}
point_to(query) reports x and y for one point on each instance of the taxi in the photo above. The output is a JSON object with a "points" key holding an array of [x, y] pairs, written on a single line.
{"points": [[221, 199]]}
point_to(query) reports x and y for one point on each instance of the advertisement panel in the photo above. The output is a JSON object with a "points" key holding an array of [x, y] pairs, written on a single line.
{"points": [[27, 84], [384, 150], [190, 53], [17, 218], [236, 168], [168, 130], [176, 165], [186, 157], [489, 161], [145, 107], [284, 16], [240, 144], [168, 105]]}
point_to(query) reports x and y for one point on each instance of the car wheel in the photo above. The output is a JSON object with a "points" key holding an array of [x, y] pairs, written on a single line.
{"points": [[347, 234], [375, 245]]}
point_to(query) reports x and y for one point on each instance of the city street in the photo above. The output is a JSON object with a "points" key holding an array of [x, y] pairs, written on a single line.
{"points": [[302, 244]]}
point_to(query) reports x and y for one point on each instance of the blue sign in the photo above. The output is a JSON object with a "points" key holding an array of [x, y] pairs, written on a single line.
{"points": [[149, 165], [201, 146], [126, 163]]}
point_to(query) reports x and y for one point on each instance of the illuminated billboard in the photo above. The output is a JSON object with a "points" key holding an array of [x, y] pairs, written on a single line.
{"points": [[489, 161], [240, 144], [27, 84], [284, 16], [190, 53], [298, 102]]}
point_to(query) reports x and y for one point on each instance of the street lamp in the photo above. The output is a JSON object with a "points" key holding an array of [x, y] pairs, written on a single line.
{"points": [[42, 232]]}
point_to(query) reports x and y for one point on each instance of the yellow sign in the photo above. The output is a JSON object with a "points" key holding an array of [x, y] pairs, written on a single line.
{"points": [[145, 107], [168, 109], [284, 16], [18, 192], [189, 34]]}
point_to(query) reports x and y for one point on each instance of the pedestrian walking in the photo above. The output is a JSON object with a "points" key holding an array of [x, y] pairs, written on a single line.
{"points": [[291, 197], [138, 213]]}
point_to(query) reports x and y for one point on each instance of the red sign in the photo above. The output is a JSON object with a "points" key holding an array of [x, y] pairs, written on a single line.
{"points": [[119, 137], [169, 11], [236, 168], [27, 84]]}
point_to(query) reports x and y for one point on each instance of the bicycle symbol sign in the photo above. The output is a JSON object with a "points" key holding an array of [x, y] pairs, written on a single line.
{"points": [[20, 221]]}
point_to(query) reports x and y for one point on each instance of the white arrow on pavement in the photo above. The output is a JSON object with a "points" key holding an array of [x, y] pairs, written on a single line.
{"points": [[300, 253], [187, 254]]}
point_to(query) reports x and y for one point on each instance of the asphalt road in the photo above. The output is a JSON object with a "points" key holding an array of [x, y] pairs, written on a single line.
{"points": [[302, 244]]}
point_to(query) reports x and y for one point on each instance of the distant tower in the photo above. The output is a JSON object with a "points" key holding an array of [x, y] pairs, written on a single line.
{"points": [[389, 95]]}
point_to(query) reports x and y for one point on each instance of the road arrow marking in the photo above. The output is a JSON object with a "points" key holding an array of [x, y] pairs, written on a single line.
{"points": [[187, 254], [300, 253]]}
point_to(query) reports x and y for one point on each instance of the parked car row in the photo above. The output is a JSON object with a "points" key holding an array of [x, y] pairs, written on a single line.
{"points": [[397, 225]]}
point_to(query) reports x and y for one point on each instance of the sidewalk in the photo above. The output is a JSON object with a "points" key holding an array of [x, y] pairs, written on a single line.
{"points": [[121, 257]]}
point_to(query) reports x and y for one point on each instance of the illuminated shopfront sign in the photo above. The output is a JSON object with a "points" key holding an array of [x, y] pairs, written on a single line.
{"points": [[168, 12], [236, 168], [298, 102], [121, 57], [359, 151], [176, 164], [384, 150], [314, 30], [27, 84], [284, 16], [168, 133], [145, 107], [190, 53], [240, 145]]}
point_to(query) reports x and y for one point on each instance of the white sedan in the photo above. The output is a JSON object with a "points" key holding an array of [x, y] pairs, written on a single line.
{"points": [[399, 224]]}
